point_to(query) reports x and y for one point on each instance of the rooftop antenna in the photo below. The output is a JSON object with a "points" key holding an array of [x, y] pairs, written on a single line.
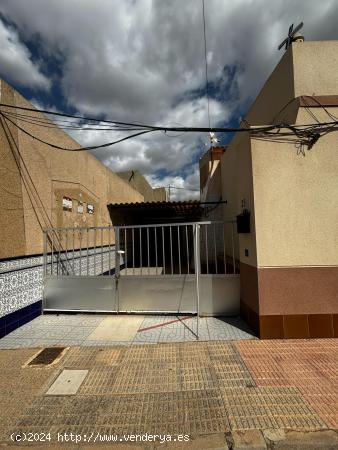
{"points": [[291, 36], [213, 139]]}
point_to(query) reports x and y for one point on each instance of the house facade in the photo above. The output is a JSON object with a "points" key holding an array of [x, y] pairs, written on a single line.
{"points": [[289, 259]]}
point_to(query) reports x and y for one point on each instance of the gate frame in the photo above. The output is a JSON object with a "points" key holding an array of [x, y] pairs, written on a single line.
{"points": [[115, 277]]}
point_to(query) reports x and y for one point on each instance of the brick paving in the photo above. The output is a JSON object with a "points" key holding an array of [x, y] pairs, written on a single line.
{"points": [[310, 366], [234, 392]]}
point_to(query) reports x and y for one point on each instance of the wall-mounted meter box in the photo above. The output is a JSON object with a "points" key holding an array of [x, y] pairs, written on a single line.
{"points": [[243, 222]]}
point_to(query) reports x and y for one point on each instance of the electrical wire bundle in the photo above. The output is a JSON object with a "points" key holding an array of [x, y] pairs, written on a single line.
{"points": [[300, 135]]}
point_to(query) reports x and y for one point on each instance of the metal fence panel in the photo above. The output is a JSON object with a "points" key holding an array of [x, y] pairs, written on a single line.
{"points": [[175, 294], [158, 268], [80, 294]]}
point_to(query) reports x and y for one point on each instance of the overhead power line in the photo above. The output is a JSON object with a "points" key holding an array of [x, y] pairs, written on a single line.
{"points": [[79, 149], [300, 135], [120, 126], [184, 188], [177, 187]]}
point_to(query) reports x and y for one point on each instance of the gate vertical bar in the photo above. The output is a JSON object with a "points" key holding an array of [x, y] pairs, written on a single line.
{"points": [[74, 251], [87, 230], [155, 231], [148, 250], [206, 247], [187, 244], [179, 249], [102, 252], [133, 236], [117, 266], [125, 251], [171, 251], [197, 255], [215, 248], [224, 252], [141, 262], [80, 243], [163, 251], [66, 249], [44, 254], [44, 267], [233, 247], [94, 243], [52, 253], [109, 250]]}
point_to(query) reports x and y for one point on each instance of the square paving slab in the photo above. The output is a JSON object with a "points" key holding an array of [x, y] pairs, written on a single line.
{"points": [[68, 382], [117, 328]]}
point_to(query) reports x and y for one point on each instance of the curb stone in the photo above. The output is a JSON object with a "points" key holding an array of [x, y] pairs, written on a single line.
{"points": [[248, 439]]}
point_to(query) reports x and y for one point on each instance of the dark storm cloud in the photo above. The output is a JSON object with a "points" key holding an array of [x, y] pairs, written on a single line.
{"points": [[144, 61]]}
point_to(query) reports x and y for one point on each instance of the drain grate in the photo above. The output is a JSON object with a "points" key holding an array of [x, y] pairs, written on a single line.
{"points": [[47, 356]]}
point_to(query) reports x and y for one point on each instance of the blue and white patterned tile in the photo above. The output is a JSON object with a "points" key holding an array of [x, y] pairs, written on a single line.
{"points": [[79, 332], [22, 263], [90, 343], [52, 333], [228, 329], [70, 342], [89, 321], [21, 280], [19, 289], [27, 343], [148, 336], [172, 335], [150, 321], [45, 342], [17, 343]]}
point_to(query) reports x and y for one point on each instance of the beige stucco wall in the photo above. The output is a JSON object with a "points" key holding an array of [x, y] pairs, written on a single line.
{"points": [[306, 68], [139, 182], [277, 92], [296, 197], [315, 70], [53, 174], [159, 194], [11, 209], [237, 186], [210, 176], [296, 200]]}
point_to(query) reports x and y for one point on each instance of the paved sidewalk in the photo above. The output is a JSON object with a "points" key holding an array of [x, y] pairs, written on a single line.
{"points": [[108, 330], [243, 394]]}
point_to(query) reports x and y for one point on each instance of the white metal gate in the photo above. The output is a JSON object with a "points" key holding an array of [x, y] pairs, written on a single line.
{"points": [[166, 268]]}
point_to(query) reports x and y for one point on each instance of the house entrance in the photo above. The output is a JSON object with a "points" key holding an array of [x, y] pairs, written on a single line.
{"points": [[182, 268]]}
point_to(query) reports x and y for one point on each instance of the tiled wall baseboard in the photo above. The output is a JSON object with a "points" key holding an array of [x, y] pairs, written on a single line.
{"points": [[16, 319], [21, 284], [291, 326]]}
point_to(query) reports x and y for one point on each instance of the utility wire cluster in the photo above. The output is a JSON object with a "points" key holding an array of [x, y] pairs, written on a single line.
{"points": [[303, 136]]}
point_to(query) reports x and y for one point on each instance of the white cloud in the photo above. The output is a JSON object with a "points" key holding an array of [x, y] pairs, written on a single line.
{"points": [[16, 63], [141, 60], [181, 188], [135, 58], [157, 151]]}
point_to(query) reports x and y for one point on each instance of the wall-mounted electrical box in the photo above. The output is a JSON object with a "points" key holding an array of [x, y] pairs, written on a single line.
{"points": [[243, 222]]}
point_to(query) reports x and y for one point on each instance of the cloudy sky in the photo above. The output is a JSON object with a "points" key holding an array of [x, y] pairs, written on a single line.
{"points": [[143, 61]]}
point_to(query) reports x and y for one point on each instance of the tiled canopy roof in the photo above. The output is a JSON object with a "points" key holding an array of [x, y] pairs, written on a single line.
{"points": [[155, 212]]}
